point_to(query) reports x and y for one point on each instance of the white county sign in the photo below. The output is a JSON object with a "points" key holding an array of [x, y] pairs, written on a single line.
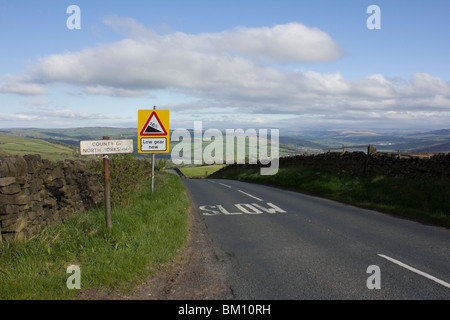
{"points": [[94, 147]]}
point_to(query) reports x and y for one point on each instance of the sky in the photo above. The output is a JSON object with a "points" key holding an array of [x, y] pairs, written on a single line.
{"points": [[291, 65]]}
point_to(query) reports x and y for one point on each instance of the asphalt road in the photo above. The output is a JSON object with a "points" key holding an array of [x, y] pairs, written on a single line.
{"points": [[278, 244]]}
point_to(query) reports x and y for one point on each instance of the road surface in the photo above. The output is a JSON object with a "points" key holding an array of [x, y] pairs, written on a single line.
{"points": [[278, 244]]}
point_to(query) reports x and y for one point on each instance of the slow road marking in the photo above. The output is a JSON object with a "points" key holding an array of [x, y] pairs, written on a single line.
{"points": [[242, 208]]}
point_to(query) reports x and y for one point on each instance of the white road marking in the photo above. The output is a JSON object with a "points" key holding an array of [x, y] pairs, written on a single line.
{"points": [[225, 185], [253, 210], [247, 208], [426, 275], [273, 209], [250, 195], [224, 211], [210, 209]]}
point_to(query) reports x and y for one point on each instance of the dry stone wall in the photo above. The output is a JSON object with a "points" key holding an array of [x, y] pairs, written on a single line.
{"points": [[35, 192], [374, 164]]}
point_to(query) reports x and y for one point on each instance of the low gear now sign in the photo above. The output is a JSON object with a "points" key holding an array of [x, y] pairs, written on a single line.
{"points": [[153, 131]]}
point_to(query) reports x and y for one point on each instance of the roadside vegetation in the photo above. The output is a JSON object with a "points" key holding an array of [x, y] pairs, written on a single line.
{"points": [[148, 230], [428, 201]]}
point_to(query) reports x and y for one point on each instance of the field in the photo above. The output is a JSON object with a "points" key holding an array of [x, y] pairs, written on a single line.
{"points": [[200, 171], [14, 145]]}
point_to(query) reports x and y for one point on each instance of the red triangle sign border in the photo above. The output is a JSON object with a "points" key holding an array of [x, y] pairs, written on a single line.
{"points": [[146, 125]]}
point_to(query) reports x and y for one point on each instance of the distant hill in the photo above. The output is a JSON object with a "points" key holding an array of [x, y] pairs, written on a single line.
{"points": [[296, 142], [442, 147], [442, 132], [72, 136], [14, 145], [434, 141], [60, 143], [71, 139]]}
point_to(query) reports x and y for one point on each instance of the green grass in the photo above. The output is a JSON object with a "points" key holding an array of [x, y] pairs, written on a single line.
{"points": [[15, 145], [200, 171], [145, 235], [423, 200]]}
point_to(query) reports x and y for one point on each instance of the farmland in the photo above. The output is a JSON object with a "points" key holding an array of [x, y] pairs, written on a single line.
{"points": [[14, 145]]}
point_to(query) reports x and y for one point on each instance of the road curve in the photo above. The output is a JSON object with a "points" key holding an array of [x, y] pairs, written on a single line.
{"points": [[279, 244]]}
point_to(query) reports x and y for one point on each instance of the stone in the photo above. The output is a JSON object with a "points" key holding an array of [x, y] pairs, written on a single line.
{"points": [[13, 236], [36, 185], [6, 181], [31, 215], [22, 180], [79, 166], [56, 184], [7, 209], [18, 199], [11, 189], [20, 166], [56, 173], [48, 165], [68, 168], [16, 224], [34, 163], [4, 170], [49, 202]]}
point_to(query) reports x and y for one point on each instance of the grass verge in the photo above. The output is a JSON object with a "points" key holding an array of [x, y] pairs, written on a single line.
{"points": [[200, 171], [427, 201], [144, 235]]}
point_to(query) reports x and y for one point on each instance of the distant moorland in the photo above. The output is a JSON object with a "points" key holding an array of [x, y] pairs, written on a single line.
{"points": [[57, 144]]}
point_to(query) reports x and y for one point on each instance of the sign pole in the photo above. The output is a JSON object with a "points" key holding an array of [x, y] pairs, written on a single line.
{"points": [[107, 190], [153, 166], [153, 171], [105, 147]]}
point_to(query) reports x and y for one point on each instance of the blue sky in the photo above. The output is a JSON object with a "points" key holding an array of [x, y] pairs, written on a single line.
{"points": [[291, 65]]}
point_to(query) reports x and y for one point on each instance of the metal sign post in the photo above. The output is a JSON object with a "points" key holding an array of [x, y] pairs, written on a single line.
{"points": [[107, 190], [153, 172], [105, 147]]}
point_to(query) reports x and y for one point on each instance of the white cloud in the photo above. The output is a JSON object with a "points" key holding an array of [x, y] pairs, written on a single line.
{"points": [[424, 82], [235, 69], [112, 92], [37, 102], [77, 115], [51, 114], [146, 60], [20, 86], [287, 43], [19, 117]]}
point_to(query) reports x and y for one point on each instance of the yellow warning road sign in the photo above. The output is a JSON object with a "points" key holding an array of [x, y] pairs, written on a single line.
{"points": [[153, 131]]}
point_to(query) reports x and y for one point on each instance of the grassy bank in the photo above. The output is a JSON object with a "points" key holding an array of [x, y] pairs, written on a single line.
{"points": [[14, 145], [200, 171], [427, 201], [144, 235]]}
